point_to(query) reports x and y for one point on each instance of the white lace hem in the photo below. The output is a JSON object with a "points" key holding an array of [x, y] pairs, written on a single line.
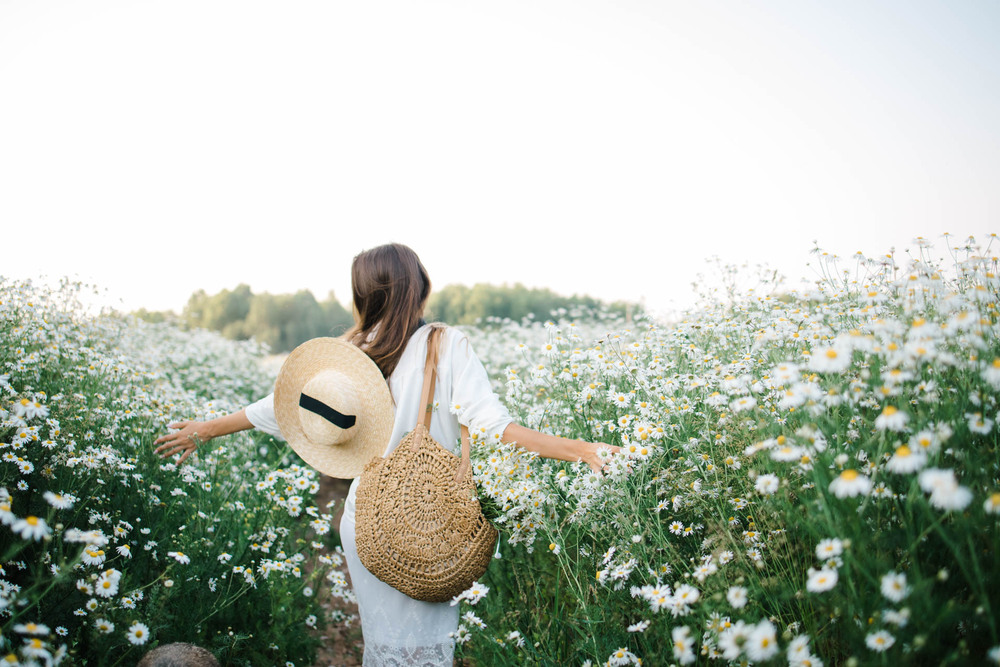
{"points": [[383, 655]]}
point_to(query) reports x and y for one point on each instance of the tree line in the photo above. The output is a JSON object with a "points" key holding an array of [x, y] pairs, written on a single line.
{"points": [[283, 321]]}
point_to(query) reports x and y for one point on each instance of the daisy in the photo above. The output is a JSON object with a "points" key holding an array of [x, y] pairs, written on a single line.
{"points": [[737, 597], [31, 528], [623, 657], [894, 586], [979, 424], [798, 648], [733, 638], [821, 580], [639, 627], [906, 460], [830, 359], [138, 633], [104, 626], [767, 484], [946, 493], [992, 504], [891, 419], [762, 644], [829, 548], [93, 556], [31, 629], [180, 557], [849, 484], [59, 501], [925, 441], [992, 373], [107, 583], [683, 645], [880, 641]]}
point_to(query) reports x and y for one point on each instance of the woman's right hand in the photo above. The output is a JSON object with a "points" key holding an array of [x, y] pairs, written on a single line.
{"points": [[183, 441], [593, 456]]}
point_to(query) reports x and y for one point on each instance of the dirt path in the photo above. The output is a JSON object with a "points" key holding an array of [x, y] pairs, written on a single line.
{"points": [[342, 646]]}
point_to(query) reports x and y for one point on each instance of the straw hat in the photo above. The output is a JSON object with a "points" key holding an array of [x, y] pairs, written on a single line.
{"points": [[333, 406]]}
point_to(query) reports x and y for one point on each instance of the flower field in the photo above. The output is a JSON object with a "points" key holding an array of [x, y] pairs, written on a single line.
{"points": [[806, 478], [108, 550]]}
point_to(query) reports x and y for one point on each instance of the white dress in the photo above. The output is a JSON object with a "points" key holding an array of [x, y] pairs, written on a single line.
{"points": [[397, 629]]}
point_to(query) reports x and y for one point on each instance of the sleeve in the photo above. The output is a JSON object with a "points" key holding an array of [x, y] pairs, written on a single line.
{"points": [[261, 415], [473, 399]]}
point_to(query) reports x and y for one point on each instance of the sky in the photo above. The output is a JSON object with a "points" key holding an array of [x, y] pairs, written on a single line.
{"points": [[606, 148]]}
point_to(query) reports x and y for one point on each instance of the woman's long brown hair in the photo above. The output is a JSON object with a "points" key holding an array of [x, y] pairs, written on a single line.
{"points": [[390, 287]]}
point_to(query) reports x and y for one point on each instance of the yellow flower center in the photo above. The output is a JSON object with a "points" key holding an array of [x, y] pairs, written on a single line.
{"points": [[903, 451], [849, 475], [32, 520], [889, 411], [831, 353]]}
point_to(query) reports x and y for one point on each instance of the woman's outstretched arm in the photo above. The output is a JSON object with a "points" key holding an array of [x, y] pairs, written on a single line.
{"points": [[191, 434], [555, 447]]}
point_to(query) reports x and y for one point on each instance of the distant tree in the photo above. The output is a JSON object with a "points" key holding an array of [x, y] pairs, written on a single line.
{"points": [[284, 321], [223, 312], [459, 304], [155, 316], [338, 318]]}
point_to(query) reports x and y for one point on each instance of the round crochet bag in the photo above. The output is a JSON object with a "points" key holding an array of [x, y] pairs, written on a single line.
{"points": [[419, 526]]}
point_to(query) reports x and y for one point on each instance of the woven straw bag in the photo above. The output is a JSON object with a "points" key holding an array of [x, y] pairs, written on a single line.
{"points": [[418, 523]]}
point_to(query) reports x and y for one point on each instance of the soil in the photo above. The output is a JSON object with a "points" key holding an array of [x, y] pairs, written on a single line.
{"points": [[342, 645]]}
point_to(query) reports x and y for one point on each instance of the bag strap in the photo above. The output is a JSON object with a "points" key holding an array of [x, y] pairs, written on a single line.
{"points": [[427, 400]]}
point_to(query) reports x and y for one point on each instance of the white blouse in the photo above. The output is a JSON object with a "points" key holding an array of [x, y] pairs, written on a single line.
{"points": [[462, 383], [399, 630]]}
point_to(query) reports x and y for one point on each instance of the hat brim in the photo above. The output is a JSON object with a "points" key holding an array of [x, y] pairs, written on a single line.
{"points": [[347, 459]]}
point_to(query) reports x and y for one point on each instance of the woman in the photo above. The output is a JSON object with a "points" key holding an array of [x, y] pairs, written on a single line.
{"points": [[390, 288]]}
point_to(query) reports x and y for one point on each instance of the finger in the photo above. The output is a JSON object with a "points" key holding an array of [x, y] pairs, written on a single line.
{"points": [[178, 424], [168, 451], [167, 442], [184, 456]]}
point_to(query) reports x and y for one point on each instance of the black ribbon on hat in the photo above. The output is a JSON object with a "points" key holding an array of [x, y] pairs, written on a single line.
{"points": [[326, 412]]}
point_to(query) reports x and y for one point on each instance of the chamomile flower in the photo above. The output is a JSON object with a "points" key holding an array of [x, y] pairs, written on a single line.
{"points": [[891, 419], [821, 580], [638, 627], [894, 586], [762, 643], [992, 503], [945, 492], [180, 557], [59, 501], [31, 528], [850, 483], [737, 597], [31, 629], [880, 641], [138, 633], [829, 548], [767, 484], [683, 645]]}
